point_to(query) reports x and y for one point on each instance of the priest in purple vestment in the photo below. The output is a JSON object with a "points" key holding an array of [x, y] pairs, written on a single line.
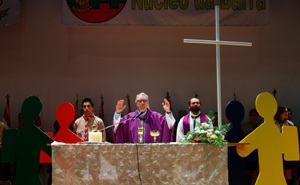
{"points": [[126, 128], [188, 122]]}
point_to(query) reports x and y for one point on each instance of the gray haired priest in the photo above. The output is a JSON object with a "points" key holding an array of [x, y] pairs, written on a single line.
{"points": [[135, 127]]}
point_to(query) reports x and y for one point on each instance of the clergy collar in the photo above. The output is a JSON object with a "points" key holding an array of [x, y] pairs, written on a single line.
{"points": [[144, 113], [195, 115]]}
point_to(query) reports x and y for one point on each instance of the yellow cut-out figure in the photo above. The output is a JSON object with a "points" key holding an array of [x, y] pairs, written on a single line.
{"points": [[270, 143]]}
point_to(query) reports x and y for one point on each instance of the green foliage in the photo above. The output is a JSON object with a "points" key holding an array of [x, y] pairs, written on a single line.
{"points": [[206, 133]]}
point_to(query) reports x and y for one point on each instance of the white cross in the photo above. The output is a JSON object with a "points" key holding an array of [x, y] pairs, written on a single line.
{"points": [[218, 42]]}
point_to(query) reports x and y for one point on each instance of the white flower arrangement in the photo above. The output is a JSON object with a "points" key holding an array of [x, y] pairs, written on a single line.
{"points": [[205, 133]]}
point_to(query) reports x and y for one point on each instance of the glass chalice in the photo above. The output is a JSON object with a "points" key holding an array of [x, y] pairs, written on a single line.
{"points": [[140, 132]]}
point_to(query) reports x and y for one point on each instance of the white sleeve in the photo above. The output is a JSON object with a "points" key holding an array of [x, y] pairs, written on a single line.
{"points": [[170, 120], [180, 131], [117, 119]]}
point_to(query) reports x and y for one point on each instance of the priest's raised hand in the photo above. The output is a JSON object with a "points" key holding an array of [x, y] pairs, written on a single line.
{"points": [[120, 106], [166, 105]]}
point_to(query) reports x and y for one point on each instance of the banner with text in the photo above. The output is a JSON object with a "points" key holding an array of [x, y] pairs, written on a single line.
{"points": [[165, 12]]}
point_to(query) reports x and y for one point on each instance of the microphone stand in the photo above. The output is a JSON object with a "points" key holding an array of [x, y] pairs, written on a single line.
{"points": [[131, 118]]}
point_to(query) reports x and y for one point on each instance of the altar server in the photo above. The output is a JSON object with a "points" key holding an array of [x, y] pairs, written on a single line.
{"points": [[189, 121], [88, 122]]}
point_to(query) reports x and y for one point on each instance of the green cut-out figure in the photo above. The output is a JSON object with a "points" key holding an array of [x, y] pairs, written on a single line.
{"points": [[24, 148]]}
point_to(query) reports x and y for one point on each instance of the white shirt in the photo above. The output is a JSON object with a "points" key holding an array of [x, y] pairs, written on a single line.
{"points": [[180, 132]]}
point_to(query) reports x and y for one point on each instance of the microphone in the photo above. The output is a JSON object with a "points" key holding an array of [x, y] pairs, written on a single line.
{"points": [[133, 118], [138, 115]]}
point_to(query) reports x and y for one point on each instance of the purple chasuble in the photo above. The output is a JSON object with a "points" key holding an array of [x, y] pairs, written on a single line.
{"points": [[127, 130], [186, 122]]}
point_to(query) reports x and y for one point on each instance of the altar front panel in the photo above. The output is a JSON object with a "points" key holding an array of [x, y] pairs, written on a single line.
{"points": [[139, 164]]}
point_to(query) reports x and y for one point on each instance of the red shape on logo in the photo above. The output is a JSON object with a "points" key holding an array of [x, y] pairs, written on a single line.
{"points": [[96, 11]]}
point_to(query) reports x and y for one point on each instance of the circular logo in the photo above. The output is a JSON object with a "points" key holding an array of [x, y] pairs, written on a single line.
{"points": [[96, 11]]}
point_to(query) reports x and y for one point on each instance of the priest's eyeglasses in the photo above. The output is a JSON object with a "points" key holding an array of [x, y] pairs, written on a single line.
{"points": [[142, 101]]}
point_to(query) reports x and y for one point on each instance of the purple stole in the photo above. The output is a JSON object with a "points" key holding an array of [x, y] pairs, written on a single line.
{"points": [[186, 122]]}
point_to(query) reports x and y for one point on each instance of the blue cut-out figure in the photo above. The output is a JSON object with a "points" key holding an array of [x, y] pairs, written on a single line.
{"points": [[236, 165]]}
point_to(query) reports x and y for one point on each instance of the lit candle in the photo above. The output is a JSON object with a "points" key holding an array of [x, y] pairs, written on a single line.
{"points": [[95, 137]]}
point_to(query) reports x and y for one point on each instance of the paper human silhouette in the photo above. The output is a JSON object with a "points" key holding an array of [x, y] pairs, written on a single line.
{"points": [[235, 113], [270, 143], [24, 148], [65, 114]]}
